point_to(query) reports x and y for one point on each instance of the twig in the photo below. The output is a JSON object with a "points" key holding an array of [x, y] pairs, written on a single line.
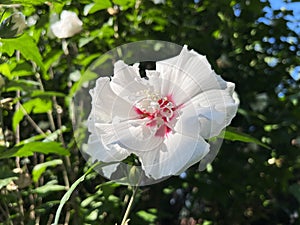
{"points": [[18, 138], [21, 208], [31, 121], [49, 113], [67, 218], [51, 216]]}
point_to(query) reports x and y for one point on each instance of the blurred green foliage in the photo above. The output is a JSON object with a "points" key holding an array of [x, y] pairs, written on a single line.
{"points": [[246, 184]]}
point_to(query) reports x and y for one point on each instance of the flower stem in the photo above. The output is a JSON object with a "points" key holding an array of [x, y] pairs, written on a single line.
{"points": [[129, 206]]}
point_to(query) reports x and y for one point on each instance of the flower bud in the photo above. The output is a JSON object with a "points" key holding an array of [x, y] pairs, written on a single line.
{"points": [[13, 26]]}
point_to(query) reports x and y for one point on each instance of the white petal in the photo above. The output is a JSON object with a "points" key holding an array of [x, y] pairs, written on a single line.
{"points": [[109, 169], [98, 151], [188, 122], [190, 72], [177, 153], [126, 80], [215, 110], [133, 135], [106, 104]]}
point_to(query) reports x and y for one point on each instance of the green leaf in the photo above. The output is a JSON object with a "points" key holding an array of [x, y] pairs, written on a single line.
{"points": [[21, 85], [97, 5], [30, 148], [147, 216], [48, 188], [5, 70], [39, 169], [42, 147], [51, 58], [125, 4], [26, 45], [233, 134], [68, 194], [22, 69]]}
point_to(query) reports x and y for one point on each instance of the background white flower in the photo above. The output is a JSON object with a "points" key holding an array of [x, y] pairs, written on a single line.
{"points": [[159, 1], [164, 119], [68, 25]]}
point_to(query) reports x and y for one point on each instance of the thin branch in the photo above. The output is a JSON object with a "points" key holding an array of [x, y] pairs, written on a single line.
{"points": [[51, 217], [67, 218], [18, 138], [49, 113], [31, 121]]}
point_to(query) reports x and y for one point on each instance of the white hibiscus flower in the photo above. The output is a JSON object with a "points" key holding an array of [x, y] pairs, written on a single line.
{"points": [[68, 25], [163, 119]]}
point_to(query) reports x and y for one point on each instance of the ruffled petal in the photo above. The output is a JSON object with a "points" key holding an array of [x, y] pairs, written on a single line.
{"points": [[126, 80], [191, 73], [214, 110], [110, 153], [133, 135], [177, 153], [106, 105]]}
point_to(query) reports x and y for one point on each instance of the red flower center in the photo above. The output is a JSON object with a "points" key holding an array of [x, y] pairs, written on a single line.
{"points": [[160, 111]]}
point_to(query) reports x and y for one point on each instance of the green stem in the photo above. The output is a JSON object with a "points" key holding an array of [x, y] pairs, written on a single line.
{"points": [[68, 194], [129, 206]]}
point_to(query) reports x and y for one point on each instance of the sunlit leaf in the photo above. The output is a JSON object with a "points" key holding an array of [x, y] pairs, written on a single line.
{"points": [[52, 57], [5, 70], [48, 188], [22, 69], [26, 45], [96, 6], [30, 148], [125, 4], [21, 85], [39, 169], [147, 216]]}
